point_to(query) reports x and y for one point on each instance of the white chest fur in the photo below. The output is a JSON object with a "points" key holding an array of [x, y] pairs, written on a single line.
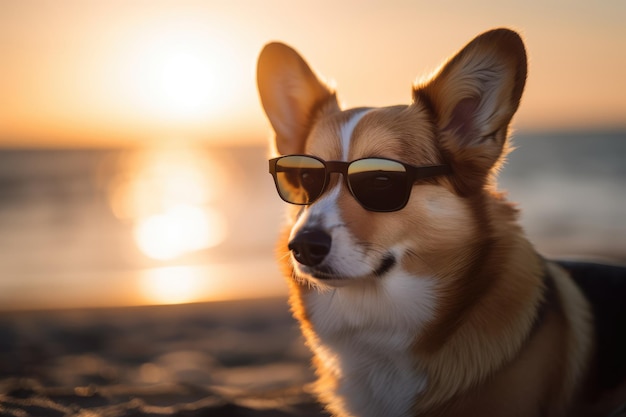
{"points": [[365, 333]]}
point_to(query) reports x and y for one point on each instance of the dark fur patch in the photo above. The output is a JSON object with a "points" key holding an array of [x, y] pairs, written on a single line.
{"points": [[389, 261]]}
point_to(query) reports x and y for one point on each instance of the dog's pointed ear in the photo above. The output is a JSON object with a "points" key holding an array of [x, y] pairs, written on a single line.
{"points": [[291, 95], [473, 98]]}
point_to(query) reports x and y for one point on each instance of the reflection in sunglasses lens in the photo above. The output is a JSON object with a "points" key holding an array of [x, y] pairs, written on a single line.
{"points": [[300, 179], [378, 184]]}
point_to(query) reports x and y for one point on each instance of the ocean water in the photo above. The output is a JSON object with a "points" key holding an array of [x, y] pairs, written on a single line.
{"points": [[571, 189], [118, 227]]}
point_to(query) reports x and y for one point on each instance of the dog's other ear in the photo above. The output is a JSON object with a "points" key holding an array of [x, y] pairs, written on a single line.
{"points": [[473, 98], [292, 96]]}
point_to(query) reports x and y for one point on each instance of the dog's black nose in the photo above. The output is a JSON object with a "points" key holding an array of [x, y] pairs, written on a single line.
{"points": [[310, 246]]}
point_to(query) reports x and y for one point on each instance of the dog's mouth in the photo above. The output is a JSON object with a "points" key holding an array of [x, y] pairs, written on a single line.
{"points": [[328, 274], [335, 259]]}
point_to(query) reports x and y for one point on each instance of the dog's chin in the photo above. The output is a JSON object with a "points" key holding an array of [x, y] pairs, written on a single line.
{"points": [[325, 276], [322, 276]]}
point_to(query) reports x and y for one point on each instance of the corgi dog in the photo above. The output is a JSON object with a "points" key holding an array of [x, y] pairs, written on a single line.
{"points": [[414, 286]]}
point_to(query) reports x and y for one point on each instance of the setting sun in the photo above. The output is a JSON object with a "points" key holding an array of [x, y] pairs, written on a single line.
{"points": [[179, 73], [102, 73]]}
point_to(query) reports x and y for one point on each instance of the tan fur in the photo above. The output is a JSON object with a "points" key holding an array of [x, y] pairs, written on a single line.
{"points": [[495, 346]]}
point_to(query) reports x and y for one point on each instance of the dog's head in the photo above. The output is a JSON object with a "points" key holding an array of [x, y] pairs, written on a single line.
{"points": [[458, 121]]}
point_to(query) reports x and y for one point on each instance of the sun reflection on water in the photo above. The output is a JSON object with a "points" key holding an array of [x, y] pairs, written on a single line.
{"points": [[173, 285], [170, 197], [179, 230]]}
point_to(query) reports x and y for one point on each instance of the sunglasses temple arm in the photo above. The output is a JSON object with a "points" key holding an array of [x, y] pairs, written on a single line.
{"points": [[432, 171]]}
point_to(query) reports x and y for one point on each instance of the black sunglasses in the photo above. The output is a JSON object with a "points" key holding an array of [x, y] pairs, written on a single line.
{"points": [[378, 184]]}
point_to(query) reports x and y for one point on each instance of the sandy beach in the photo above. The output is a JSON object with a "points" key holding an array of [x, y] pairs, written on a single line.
{"points": [[242, 358]]}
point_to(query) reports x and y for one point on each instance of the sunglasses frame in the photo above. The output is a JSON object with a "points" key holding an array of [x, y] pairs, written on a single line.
{"points": [[415, 174]]}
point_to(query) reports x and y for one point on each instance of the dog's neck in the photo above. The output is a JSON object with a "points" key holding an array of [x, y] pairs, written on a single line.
{"points": [[465, 352]]}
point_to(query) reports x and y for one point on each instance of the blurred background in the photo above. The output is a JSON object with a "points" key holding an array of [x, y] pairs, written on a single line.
{"points": [[133, 146]]}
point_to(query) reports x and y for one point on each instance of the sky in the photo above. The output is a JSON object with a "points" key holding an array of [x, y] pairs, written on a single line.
{"points": [[93, 73]]}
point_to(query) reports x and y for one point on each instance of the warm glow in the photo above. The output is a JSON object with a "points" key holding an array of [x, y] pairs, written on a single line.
{"points": [[92, 73], [193, 283], [178, 74], [169, 194], [172, 285], [179, 230]]}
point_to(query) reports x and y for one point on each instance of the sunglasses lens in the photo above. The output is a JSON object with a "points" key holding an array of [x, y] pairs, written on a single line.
{"points": [[300, 179], [379, 184]]}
